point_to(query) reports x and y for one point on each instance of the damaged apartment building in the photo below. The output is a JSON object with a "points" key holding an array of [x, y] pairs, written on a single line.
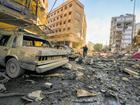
{"points": [[28, 14], [121, 32], [68, 23]]}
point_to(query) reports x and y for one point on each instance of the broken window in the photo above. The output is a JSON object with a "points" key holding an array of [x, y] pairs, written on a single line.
{"points": [[4, 39], [69, 20], [33, 41], [70, 5]]}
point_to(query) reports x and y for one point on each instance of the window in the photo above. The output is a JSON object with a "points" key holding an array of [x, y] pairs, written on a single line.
{"points": [[70, 13], [60, 23], [65, 7], [65, 15], [64, 22], [57, 11], [70, 5], [57, 18], [61, 16], [64, 29], [4, 39], [56, 31], [62, 9], [68, 28], [59, 30], [35, 42], [69, 20]]}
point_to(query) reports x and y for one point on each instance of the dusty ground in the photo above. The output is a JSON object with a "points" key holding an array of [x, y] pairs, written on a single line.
{"points": [[102, 77]]}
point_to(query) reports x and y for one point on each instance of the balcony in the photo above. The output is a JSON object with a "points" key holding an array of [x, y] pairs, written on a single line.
{"points": [[119, 29], [16, 14]]}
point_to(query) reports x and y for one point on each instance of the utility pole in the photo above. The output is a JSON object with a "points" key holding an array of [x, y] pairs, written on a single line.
{"points": [[133, 27]]}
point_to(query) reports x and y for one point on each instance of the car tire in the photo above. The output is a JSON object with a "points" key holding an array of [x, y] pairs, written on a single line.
{"points": [[13, 68]]}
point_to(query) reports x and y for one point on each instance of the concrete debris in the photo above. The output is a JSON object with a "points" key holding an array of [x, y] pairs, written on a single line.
{"points": [[36, 95], [34, 103], [67, 66], [56, 75], [125, 79], [94, 81], [84, 93], [31, 81], [47, 85], [2, 88], [4, 78], [131, 72], [80, 75], [4, 95]]}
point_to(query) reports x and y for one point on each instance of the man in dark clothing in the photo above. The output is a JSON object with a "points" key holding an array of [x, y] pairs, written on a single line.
{"points": [[85, 50]]}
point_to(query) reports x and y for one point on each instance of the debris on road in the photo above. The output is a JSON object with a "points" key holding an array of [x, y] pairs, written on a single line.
{"points": [[55, 75], [47, 85], [36, 95], [86, 83], [131, 72], [2, 88], [84, 93], [67, 66], [31, 81]]}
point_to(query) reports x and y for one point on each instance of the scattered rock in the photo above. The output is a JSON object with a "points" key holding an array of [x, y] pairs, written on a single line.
{"points": [[80, 75], [47, 85], [131, 72], [31, 81], [2, 88], [56, 75], [125, 79], [84, 93], [67, 66], [36, 95]]}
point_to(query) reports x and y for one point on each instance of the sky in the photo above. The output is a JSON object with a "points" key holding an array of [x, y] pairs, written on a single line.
{"points": [[99, 14]]}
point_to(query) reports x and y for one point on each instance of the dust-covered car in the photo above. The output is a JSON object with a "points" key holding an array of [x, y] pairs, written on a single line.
{"points": [[20, 51]]}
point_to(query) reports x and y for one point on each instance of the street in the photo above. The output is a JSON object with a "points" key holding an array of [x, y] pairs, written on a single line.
{"points": [[102, 76]]}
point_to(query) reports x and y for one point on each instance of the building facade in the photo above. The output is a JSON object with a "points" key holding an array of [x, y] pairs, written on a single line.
{"points": [[121, 32], [22, 13], [68, 23], [137, 36], [137, 29]]}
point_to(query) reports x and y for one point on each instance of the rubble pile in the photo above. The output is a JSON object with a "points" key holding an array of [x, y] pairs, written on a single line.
{"points": [[90, 81]]}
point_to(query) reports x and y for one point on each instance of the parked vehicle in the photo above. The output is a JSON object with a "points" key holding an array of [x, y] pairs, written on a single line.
{"points": [[20, 51]]}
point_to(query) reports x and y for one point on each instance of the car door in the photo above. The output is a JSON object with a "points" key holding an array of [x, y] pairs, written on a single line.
{"points": [[4, 48]]}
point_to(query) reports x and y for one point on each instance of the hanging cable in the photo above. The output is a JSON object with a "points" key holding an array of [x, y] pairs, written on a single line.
{"points": [[52, 6]]}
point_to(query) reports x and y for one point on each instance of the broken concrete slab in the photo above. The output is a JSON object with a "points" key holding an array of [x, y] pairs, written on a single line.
{"points": [[125, 79], [47, 85], [131, 72], [84, 93], [36, 95], [67, 66]]}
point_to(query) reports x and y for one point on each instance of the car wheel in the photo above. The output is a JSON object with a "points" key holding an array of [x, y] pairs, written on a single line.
{"points": [[13, 68]]}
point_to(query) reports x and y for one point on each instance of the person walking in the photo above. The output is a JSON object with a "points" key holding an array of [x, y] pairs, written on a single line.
{"points": [[85, 50]]}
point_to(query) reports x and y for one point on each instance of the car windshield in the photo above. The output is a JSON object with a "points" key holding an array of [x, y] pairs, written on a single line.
{"points": [[32, 41]]}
